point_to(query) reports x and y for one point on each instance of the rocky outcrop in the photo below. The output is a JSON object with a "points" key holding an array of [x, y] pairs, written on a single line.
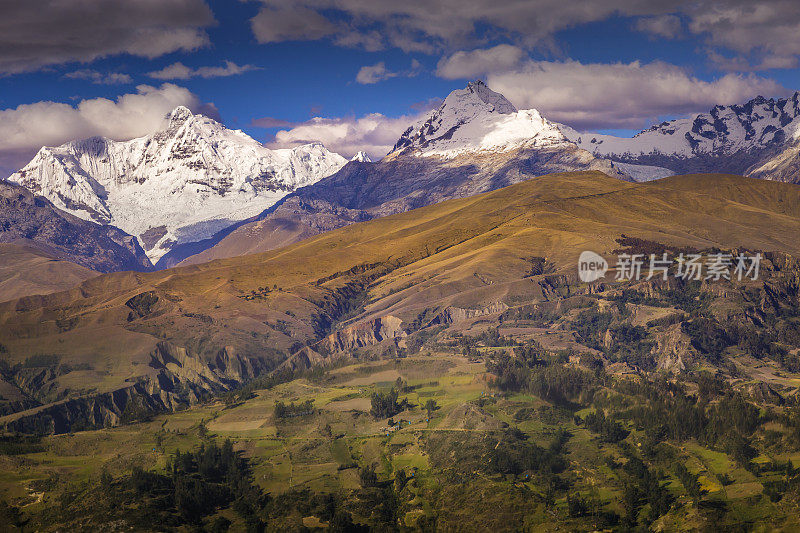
{"points": [[225, 371], [308, 358], [97, 411], [673, 349], [361, 334], [456, 314]]}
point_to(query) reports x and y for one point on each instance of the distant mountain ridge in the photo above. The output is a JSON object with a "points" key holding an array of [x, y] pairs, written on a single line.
{"points": [[183, 183], [742, 139]]}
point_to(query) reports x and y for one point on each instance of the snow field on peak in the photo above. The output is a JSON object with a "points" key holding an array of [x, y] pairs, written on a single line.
{"points": [[183, 183]]}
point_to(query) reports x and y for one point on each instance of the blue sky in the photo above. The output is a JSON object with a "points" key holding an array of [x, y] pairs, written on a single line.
{"points": [[607, 65]]}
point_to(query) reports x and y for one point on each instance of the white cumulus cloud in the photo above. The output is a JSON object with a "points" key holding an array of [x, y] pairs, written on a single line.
{"points": [[26, 128], [621, 95], [374, 133], [370, 74], [666, 26], [474, 63], [602, 95]]}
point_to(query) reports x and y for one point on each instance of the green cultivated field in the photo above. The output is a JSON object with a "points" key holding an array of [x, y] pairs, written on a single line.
{"points": [[438, 470]]}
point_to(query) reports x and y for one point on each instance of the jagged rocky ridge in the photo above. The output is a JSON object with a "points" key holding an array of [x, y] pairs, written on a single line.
{"points": [[185, 182], [758, 139]]}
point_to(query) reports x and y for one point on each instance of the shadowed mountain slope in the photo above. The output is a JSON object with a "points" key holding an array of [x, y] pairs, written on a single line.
{"points": [[33, 221], [363, 191]]}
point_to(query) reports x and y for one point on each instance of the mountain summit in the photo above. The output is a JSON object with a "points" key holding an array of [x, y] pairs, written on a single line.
{"points": [[361, 157], [183, 183], [477, 118]]}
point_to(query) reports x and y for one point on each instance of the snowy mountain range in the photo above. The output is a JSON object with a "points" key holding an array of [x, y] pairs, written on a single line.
{"points": [[742, 139], [183, 183], [479, 120], [193, 182]]}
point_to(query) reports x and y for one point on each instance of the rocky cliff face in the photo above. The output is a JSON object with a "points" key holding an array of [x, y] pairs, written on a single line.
{"points": [[176, 379], [34, 221], [673, 350], [451, 315], [366, 333], [340, 345]]}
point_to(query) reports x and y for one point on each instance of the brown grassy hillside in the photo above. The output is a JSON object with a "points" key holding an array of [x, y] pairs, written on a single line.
{"points": [[25, 271], [466, 254]]}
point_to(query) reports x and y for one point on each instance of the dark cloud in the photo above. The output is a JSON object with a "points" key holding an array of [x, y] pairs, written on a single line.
{"points": [[425, 26], [752, 36], [771, 27], [278, 23], [38, 33]]}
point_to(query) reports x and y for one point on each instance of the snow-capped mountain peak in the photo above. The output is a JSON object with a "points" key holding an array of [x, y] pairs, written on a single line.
{"points": [[179, 115], [361, 157], [476, 93], [183, 183], [474, 119]]}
